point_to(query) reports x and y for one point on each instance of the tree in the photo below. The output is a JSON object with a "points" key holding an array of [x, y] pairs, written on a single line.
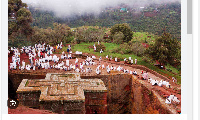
{"points": [[19, 20], [118, 37], [24, 19], [89, 34], [61, 33], [165, 50], [125, 29]]}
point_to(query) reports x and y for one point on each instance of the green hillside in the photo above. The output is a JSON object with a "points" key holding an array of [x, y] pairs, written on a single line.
{"points": [[153, 19]]}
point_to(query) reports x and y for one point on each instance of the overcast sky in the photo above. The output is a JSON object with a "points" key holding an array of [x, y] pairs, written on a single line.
{"points": [[71, 7]]}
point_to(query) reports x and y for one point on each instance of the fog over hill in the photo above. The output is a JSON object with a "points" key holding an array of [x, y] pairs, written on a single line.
{"points": [[66, 8]]}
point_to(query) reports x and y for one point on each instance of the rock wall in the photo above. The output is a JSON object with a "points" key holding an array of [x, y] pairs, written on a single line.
{"points": [[119, 89], [14, 80], [29, 99], [146, 101], [64, 107], [95, 102]]}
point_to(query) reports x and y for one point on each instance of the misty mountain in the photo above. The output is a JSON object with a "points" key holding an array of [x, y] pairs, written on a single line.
{"points": [[154, 18]]}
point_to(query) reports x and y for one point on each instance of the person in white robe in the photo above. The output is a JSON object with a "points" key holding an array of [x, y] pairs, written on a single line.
{"points": [[87, 63], [77, 70], [149, 80], [14, 65], [40, 59], [135, 72], [65, 68], [62, 57], [61, 68], [67, 62], [62, 63], [74, 67], [103, 67], [108, 70], [171, 97], [76, 60], [95, 48], [50, 58], [58, 46], [11, 66], [168, 85], [81, 66], [101, 51], [23, 63], [164, 82], [87, 70], [106, 56], [168, 101], [119, 68], [135, 61], [111, 68], [131, 61], [38, 53], [176, 100], [160, 84], [115, 59], [114, 68], [45, 55], [19, 67], [33, 67], [69, 56], [46, 66], [54, 58], [145, 76], [42, 64], [100, 59], [56, 66], [124, 59], [13, 58], [18, 60], [97, 71], [83, 63], [71, 67], [43, 59], [154, 82], [28, 67]]}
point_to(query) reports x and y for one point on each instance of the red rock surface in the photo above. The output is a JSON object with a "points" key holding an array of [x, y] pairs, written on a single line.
{"points": [[26, 110]]}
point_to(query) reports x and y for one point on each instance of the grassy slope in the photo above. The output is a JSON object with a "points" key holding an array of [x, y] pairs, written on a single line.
{"points": [[141, 36], [84, 47]]}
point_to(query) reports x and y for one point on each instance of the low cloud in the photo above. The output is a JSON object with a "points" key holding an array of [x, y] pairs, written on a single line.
{"points": [[64, 8]]}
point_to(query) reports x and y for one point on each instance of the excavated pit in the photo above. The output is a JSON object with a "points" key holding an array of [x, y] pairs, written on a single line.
{"points": [[125, 95]]}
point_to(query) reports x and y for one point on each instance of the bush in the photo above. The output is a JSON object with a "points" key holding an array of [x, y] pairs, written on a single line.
{"points": [[99, 47], [128, 48], [147, 59], [137, 49], [118, 38]]}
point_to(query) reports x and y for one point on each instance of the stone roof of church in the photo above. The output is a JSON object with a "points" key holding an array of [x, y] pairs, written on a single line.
{"points": [[68, 87]]}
